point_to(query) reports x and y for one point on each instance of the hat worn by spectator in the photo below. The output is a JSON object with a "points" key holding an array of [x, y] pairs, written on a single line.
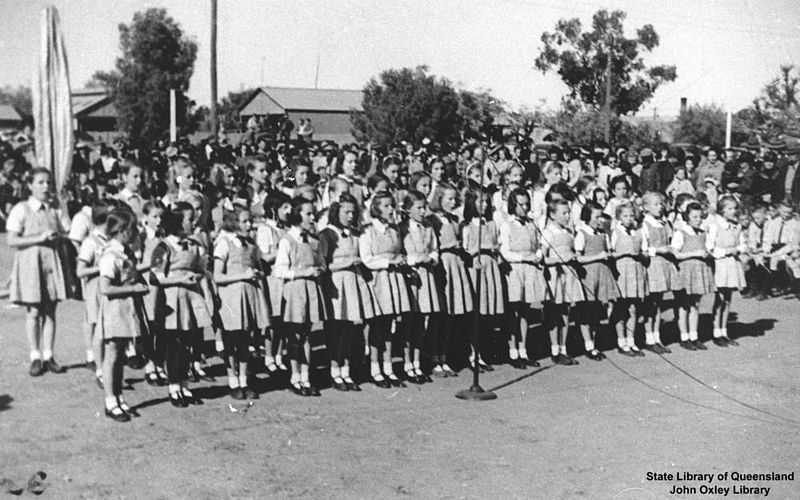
{"points": [[645, 153]]}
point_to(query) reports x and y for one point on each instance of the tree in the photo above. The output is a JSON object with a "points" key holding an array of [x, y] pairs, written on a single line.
{"points": [[156, 57], [776, 110], [477, 112], [21, 99], [407, 104], [705, 125], [581, 57], [228, 109]]}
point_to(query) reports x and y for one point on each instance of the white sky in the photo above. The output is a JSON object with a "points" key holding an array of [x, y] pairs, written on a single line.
{"points": [[725, 51]]}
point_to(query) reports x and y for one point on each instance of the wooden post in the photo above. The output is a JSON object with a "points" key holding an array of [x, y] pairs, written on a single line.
{"points": [[213, 106], [173, 124]]}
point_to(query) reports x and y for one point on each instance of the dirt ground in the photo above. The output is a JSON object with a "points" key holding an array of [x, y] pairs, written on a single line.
{"points": [[591, 431]]}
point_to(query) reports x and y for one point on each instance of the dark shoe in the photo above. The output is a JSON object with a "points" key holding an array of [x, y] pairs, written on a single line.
{"points": [[151, 378], [297, 389], [664, 349], [594, 355], [653, 348], [532, 363], [396, 382], [136, 362], [237, 393], [340, 385], [250, 393], [352, 386], [52, 366], [193, 376], [381, 382], [699, 345], [572, 361], [601, 355], [626, 352], [561, 359], [37, 368], [91, 366], [761, 297], [412, 377], [127, 409], [719, 341], [448, 371], [688, 345], [310, 390], [178, 400], [517, 363], [637, 352], [730, 341], [117, 415], [485, 366], [192, 400]]}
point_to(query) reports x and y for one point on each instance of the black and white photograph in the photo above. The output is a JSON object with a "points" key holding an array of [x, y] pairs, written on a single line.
{"points": [[445, 249]]}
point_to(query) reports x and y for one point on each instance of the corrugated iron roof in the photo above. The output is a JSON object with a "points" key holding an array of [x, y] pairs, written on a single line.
{"points": [[8, 113], [83, 99], [315, 99]]}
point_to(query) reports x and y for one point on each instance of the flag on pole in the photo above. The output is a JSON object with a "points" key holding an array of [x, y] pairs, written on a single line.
{"points": [[52, 109]]}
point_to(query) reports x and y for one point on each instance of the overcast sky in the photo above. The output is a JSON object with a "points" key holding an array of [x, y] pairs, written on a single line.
{"points": [[724, 50]]}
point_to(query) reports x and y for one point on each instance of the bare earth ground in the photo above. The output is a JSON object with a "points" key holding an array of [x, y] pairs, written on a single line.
{"points": [[591, 431]]}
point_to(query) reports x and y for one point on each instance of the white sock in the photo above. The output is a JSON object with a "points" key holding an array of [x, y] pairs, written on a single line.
{"points": [[89, 355], [692, 336], [717, 333], [242, 380], [98, 373], [724, 332], [374, 369], [36, 355], [387, 368], [656, 336], [233, 382], [295, 379], [562, 349], [416, 365], [588, 345], [111, 401], [304, 374], [47, 354], [554, 349], [523, 353], [630, 342], [174, 388], [649, 338], [186, 392], [408, 367], [622, 343], [220, 346], [345, 372], [513, 354], [336, 372], [438, 368], [684, 336]]}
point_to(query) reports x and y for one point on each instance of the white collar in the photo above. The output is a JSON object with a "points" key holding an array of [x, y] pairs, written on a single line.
{"points": [[149, 232], [582, 226], [295, 232], [414, 226], [36, 204], [653, 221], [115, 245], [380, 226], [127, 194], [342, 233]]}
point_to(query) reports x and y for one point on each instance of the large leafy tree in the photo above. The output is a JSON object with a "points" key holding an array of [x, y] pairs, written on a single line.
{"points": [[776, 110], [407, 104], [156, 57], [580, 58], [228, 109], [705, 125]]}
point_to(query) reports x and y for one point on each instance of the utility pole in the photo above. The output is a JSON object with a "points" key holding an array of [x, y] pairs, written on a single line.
{"points": [[316, 74], [214, 67], [608, 96]]}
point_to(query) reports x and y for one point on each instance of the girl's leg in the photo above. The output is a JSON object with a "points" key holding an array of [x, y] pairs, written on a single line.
{"points": [[621, 312], [377, 327], [693, 319], [229, 347], [305, 339], [48, 312], [524, 314], [294, 351], [394, 333], [242, 346], [630, 329], [514, 332], [33, 327], [443, 330], [112, 352], [269, 353], [418, 344], [88, 342], [553, 314], [334, 340], [99, 352]]}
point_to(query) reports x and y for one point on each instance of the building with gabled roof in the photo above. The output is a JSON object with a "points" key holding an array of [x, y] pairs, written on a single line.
{"points": [[9, 118]]}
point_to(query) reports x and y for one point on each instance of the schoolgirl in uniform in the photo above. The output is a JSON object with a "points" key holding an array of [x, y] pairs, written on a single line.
{"points": [[527, 289], [453, 279], [628, 244], [300, 264], [256, 189], [565, 288], [726, 241], [422, 255], [277, 209], [88, 271], [420, 181], [152, 236], [484, 251], [182, 307], [35, 228], [381, 249], [592, 245], [131, 182], [350, 300], [121, 317], [695, 274], [662, 274], [242, 296], [375, 184], [184, 184]]}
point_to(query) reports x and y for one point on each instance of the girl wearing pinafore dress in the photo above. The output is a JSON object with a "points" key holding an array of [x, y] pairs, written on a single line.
{"points": [[452, 277], [527, 288], [380, 249], [564, 284], [696, 277], [152, 236], [726, 242], [182, 308], [592, 246], [627, 244], [242, 296], [35, 229], [422, 254], [300, 264], [350, 300], [662, 274], [484, 258], [121, 317]]}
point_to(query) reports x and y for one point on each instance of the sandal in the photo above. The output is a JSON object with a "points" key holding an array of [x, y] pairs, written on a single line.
{"points": [[117, 414], [270, 365], [127, 409]]}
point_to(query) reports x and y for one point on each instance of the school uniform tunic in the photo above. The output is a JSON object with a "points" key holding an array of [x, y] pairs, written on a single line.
{"points": [[519, 240], [181, 307], [453, 279], [378, 244], [564, 284], [696, 275], [631, 273], [37, 275], [348, 295], [662, 273], [268, 236], [598, 280], [120, 317], [303, 301], [420, 242], [243, 304], [724, 236], [149, 244], [90, 253]]}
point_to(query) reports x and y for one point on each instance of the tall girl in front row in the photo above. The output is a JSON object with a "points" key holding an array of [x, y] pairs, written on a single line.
{"points": [[627, 244], [37, 277], [419, 242], [662, 275], [300, 264], [242, 293], [726, 241], [181, 307], [519, 246], [349, 297], [483, 249], [696, 277], [121, 317], [453, 280], [566, 290], [381, 251]]}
